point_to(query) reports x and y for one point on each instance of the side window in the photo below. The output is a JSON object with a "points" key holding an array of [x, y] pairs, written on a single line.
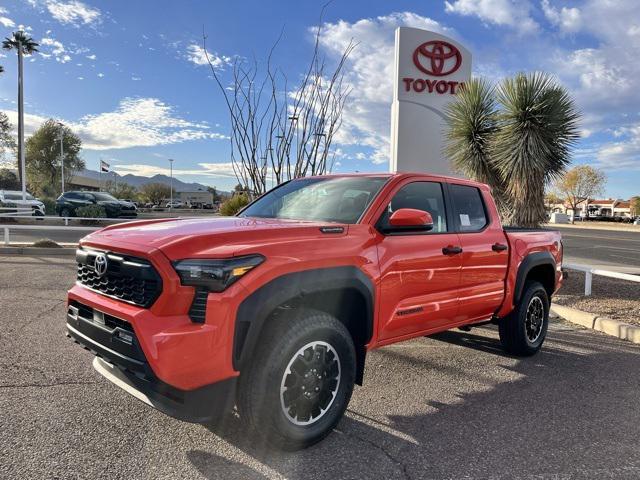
{"points": [[468, 208], [426, 196], [70, 196]]}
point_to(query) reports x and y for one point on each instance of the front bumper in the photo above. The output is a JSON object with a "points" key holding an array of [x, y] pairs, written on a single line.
{"points": [[121, 360]]}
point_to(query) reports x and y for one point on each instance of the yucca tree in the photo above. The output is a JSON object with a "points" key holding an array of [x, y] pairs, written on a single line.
{"points": [[517, 138], [24, 45], [473, 123], [537, 126]]}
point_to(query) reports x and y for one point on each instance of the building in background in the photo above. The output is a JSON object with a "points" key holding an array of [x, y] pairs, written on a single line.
{"points": [[593, 208], [196, 199]]}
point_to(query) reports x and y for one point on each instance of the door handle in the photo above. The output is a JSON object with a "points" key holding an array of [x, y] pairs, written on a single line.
{"points": [[451, 250], [498, 247]]}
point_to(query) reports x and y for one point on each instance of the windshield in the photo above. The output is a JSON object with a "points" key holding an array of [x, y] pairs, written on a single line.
{"points": [[332, 199], [17, 196], [104, 197]]}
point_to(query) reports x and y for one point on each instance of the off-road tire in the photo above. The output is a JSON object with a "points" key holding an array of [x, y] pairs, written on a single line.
{"points": [[516, 335], [259, 402]]}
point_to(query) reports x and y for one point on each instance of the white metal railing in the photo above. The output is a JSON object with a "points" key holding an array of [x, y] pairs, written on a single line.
{"points": [[16, 212], [67, 219], [6, 228], [590, 272]]}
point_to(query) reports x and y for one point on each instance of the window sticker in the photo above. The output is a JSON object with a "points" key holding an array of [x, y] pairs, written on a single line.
{"points": [[464, 220]]}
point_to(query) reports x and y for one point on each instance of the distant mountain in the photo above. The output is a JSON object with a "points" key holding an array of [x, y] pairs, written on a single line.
{"points": [[138, 180]]}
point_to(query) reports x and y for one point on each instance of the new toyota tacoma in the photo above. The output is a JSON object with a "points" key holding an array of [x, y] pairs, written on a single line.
{"points": [[273, 311]]}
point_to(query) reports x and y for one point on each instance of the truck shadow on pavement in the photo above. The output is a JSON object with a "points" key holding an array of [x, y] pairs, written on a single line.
{"points": [[569, 412]]}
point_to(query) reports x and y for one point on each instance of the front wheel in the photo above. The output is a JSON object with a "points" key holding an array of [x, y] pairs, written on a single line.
{"points": [[300, 382], [523, 331]]}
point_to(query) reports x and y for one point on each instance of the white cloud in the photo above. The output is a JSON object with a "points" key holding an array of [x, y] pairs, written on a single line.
{"points": [[198, 55], [568, 19], [369, 71], [205, 169], [73, 12], [510, 13], [56, 48], [137, 122], [6, 21], [623, 153], [91, 57], [603, 79]]}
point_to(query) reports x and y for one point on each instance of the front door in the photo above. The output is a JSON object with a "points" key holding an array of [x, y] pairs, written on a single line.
{"points": [[420, 272]]}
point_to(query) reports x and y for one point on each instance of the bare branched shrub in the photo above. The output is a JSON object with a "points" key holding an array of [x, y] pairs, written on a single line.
{"points": [[280, 132]]}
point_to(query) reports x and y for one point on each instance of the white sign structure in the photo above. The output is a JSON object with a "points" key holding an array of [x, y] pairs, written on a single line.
{"points": [[429, 69]]}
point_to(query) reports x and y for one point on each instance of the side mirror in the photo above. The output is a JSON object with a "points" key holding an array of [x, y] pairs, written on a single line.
{"points": [[410, 220]]}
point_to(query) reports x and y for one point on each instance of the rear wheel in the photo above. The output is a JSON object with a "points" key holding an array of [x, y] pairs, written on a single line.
{"points": [[524, 330], [65, 212], [300, 382]]}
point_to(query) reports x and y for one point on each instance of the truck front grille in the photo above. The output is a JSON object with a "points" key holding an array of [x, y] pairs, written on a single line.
{"points": [[130, 279]]}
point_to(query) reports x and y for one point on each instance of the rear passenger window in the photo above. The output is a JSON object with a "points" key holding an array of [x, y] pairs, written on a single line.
{"points": [[426, 196], [468, 208]]}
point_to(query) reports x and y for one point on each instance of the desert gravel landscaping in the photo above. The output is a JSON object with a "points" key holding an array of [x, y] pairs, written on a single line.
{"points": [[612, 298]]}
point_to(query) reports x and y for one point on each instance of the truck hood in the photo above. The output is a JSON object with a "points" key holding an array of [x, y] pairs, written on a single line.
{"points": [[197, 237]]}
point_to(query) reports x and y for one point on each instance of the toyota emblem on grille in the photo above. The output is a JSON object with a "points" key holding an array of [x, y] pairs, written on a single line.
{"points": [[100, 265]]}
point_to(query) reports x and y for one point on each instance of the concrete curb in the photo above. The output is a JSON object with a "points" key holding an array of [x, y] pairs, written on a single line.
{"points": [[606, 325], [34, 251]]}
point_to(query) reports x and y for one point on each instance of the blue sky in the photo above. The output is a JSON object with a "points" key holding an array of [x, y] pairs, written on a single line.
{"points": [[127, 76]]}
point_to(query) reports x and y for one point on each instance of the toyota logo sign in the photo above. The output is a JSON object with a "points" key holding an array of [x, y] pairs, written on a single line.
{"points": [[100, 265], [437, 58]]}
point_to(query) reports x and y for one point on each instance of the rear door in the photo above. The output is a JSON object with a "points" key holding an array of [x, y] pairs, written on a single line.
{"points": [[419, 281], [485, 253]]}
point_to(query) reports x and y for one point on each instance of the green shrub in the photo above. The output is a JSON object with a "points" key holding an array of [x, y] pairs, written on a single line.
{"points": [[234, 205], [91, 211], [49, 206]]}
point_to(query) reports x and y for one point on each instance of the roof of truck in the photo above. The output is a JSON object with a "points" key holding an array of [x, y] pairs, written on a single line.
{"points": [[447, 178]]}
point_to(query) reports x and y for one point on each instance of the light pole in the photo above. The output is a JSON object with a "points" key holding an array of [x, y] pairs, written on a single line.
{"points": [[61, 138], [171, 184], [23, 173]]}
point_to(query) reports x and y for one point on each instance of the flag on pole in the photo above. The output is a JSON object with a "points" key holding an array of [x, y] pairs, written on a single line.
{"points": [[104, 166]]}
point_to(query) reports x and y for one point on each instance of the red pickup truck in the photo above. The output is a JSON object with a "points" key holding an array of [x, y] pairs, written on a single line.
{"points": [[275, 309]]}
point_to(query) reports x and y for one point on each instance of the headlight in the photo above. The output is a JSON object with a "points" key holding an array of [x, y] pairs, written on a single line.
{"points": [[215, 274]]}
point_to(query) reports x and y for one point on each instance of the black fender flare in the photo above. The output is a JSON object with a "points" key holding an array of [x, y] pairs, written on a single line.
{"points": [[529, 263], [259, 305]]}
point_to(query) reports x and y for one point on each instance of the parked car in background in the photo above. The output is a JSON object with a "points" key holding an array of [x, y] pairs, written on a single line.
{"points": [[636, 221], [135, 204], [174, 204], [11, 198], [69, 202]]}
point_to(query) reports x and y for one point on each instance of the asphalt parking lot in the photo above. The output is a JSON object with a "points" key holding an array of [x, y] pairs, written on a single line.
{"points": [[451, 406]]}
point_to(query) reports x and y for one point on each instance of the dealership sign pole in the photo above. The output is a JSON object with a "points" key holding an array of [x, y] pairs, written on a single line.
{"points": [[429, 69]]}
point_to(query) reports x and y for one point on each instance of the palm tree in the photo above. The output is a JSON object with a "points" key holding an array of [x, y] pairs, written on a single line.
{"points": [[24, 45], [473, 122], [537, 126]]}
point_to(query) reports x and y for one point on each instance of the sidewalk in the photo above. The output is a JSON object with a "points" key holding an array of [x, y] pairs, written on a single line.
{"points": [[610, 226], [613, 308]]}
